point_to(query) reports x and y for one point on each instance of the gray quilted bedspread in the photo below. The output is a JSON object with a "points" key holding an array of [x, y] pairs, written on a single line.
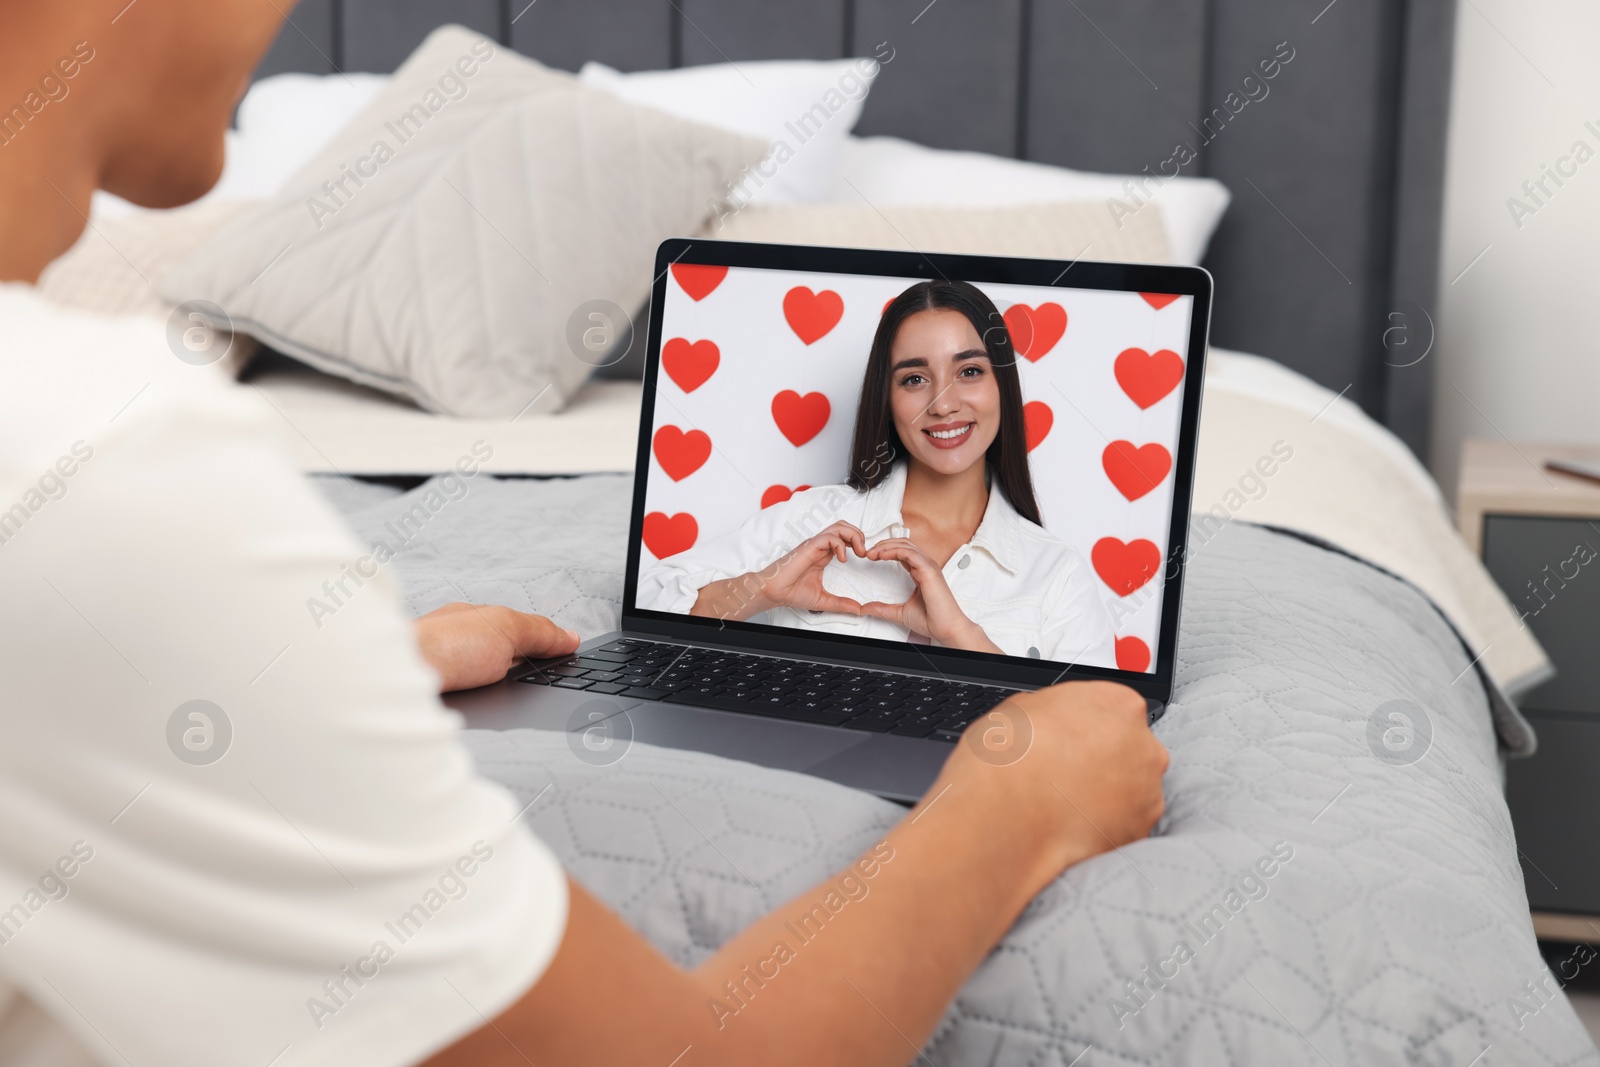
{"points": [[1393, 928]]}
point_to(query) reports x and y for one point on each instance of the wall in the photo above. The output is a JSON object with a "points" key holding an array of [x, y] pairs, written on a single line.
{"points": [[1518, 351]]}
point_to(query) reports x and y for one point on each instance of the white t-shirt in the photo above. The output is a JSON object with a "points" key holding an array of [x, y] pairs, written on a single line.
{"points": [[1028, 589], [339, 887]]}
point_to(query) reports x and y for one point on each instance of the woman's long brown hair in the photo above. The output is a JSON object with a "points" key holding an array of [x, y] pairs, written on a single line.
{"points": [[877, 443]]}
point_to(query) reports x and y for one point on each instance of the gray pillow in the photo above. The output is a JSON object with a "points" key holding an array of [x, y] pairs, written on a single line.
{"points": [[441, 246]]}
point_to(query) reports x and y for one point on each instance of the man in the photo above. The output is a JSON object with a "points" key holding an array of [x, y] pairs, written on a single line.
{"points": [[230, 837]]}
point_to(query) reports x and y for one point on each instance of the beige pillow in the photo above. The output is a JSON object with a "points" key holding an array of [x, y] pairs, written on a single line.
{"points": [[1066, 230], [446, 244]]}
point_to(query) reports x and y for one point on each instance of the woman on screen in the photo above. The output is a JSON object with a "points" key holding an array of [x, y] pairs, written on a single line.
{"points": [[935, 536]]}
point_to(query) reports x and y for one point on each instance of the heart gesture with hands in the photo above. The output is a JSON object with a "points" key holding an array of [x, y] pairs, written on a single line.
{"points": [[932, 609], [795, 581]]}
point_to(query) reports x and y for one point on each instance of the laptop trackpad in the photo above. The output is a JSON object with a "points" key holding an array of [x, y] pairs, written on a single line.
{"points": [[900, 768], [776, 743]]}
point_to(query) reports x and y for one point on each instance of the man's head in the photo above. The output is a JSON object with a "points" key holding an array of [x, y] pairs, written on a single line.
{"points": [[153, 89]]}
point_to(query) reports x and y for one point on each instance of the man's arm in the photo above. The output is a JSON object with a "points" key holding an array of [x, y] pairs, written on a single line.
{"points": [[870, 984]]}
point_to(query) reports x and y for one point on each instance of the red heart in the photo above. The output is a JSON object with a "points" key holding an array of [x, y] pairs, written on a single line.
{"points": [[777, 494], [1147, 378], [1133, 654], [1135, 471], [690, 365], [800, 418], [1035, 331], [1037, 418], [812, 315], [681, 454], [1159, 300], [1125, 567], [698, 279], [667, 535]]}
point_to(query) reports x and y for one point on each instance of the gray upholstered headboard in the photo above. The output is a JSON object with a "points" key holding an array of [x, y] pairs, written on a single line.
{"points": [[1327, 260]]}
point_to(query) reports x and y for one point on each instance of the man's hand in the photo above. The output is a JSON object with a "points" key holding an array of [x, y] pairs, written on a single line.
{"points": [[1078, 773], [473, 644], [1077, 760]]}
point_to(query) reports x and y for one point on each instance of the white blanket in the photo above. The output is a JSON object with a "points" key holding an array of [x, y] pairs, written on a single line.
{"points": [[1350, 483]]}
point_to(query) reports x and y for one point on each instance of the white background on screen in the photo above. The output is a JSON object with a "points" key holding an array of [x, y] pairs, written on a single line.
{"points": [[759, 355]]}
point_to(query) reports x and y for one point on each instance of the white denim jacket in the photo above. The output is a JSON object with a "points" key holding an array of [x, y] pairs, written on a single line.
{"points": [[1031, 592]]}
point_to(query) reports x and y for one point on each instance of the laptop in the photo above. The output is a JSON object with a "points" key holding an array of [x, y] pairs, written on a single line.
{"points": [[773, 412]]}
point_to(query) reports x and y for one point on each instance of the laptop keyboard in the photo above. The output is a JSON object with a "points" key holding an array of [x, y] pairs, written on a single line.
{"points": [[821, 693]]}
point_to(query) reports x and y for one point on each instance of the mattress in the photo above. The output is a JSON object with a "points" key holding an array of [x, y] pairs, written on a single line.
{"points": [[1395, 928]]}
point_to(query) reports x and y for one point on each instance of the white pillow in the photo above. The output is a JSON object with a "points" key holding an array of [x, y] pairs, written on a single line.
{"points": [[285, 120], [887, 170], [805, 109]]}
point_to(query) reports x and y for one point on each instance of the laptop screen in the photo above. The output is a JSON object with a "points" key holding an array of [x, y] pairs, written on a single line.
{"points": [[980, 466]]}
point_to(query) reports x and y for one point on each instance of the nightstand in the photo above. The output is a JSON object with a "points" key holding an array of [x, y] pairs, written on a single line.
{"points": [[1538, 533]]}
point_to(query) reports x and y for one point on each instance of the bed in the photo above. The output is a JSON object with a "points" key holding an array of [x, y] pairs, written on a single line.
{"points": [[1394, 928], [1396, 932]]}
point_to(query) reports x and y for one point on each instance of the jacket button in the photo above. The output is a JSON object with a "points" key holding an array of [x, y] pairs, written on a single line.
{"points": [[1033, 653], [964, 562]]}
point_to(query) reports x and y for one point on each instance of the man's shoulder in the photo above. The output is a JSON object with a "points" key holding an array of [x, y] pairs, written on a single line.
{"points": [[67, 374]]}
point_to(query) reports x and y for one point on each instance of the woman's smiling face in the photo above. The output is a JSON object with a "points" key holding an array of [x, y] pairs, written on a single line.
{"points": [[942, 391]]}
